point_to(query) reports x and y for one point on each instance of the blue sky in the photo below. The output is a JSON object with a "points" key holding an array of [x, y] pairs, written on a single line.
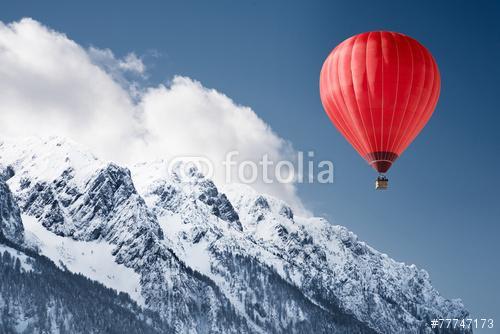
{"points": [[442, 211]]}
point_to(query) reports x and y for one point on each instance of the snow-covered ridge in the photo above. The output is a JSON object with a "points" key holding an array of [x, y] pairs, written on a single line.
{"points": [[46, 159], [187, 241]]}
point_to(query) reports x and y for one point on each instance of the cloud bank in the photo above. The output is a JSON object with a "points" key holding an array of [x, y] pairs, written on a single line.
{"points": [[50, 85]]}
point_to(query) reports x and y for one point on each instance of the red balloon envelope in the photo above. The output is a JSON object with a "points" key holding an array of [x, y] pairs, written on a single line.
{"points": [[380, 89]]}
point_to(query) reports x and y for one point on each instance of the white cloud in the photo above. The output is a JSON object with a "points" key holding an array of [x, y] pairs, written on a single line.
{"points": [[126, 71], [50, 85], [107, 60], [132, 63]]}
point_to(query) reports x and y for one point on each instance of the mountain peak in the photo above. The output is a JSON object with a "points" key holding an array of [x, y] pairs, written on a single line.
{"points": [[183, 182]]}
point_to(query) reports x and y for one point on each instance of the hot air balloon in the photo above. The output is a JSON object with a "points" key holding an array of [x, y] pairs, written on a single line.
{"points": [[379, 89]]}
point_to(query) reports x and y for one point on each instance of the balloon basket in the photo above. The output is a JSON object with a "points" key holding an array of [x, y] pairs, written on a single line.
{"points": [[381, 183]]}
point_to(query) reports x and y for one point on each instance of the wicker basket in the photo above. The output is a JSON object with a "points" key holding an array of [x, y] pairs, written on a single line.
{"points": [[381, 184]]}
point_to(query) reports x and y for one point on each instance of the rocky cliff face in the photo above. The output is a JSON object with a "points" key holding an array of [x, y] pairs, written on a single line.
{"points": [[218, 261], [11, 226]]}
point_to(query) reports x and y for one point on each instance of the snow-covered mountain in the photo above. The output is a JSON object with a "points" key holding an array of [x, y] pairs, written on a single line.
{"points": [[38, 297], [206, 259]]}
